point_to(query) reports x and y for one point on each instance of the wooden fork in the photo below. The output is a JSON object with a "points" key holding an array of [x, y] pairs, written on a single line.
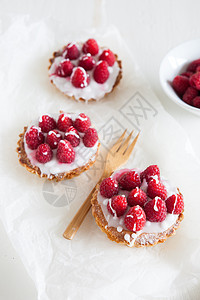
{"points": [[116, 156]]}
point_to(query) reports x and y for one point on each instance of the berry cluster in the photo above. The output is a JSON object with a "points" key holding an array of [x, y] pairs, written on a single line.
{"points": [[77, 62], [63, 135], [187, 84], [141, 204]]}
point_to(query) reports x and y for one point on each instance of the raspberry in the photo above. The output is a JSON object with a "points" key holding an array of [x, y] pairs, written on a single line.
{"points": [[64, 122], [156, 188], [87, 62], [91, 46], [108, 56], [193, 65], [180, 84], [109, 187], [71, 51], [34, 137], [195, 80], [53, 138], [187, 74], [155, 210], [137, 197], [196, 102], [135, 218], [90, 138], [117, 205], [150, 172], [44, 153], [47, 123], [189, 95], [175, 204], [65, 152], [197, 69], [101, 72], [65, 68], [72, 136], [79, 78], [129, 180], [82, 122]]}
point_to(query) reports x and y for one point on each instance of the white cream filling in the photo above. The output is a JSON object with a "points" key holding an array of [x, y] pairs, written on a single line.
{"points": [[82, 155], [93, 90], [149, 227]]}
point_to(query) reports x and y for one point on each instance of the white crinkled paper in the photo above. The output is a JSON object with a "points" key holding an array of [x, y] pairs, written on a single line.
{"points": [[35, 212]]}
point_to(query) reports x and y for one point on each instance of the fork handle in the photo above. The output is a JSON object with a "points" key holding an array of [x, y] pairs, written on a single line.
{"points": [[76, 222]]}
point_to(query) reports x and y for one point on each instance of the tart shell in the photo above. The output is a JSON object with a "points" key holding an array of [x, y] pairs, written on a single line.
{"points": [[119, 76], [142, 240], [25, 162]]}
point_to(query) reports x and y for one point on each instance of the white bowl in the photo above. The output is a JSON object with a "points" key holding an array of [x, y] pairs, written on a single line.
{"points": [[175, 63]]}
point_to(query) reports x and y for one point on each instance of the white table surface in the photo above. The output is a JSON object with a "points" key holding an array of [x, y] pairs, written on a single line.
{"points": [[150, 28]]}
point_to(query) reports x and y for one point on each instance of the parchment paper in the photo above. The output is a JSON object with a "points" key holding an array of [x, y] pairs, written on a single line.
{"points": [[35, 212]]}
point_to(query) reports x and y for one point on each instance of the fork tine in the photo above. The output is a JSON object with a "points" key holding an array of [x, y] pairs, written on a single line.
{"points": [[116, 146], [125, 144], [132, 145]]}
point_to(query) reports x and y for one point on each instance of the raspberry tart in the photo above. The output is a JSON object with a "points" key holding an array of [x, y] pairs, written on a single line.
{"points": [[58, 147], [137, 208], [85, 71]]}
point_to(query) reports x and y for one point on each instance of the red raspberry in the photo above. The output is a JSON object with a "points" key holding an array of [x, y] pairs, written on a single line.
{"points": [[180, 84], [189, 95], [79, 78], [198, 69], [137, 197], [44, 153], [47, 123], [65, 68], [91, 46], [129, 180], [34, 137], [175, 204], [90, 137], [82, 122], [187, 74], [71, 51], [196, 102], [150, 172], [195, 80], [135, 218], [64, 122], [156, 188], [108, 56], [155, 210], [72, 136], [193, 65], [87, 62], [101, 72], [65, 152], [53, 138], [109, 187], [117, 205]]}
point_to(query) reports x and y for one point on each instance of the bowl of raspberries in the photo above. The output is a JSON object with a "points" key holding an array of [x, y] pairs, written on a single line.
{"points": [[180, 75]]}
